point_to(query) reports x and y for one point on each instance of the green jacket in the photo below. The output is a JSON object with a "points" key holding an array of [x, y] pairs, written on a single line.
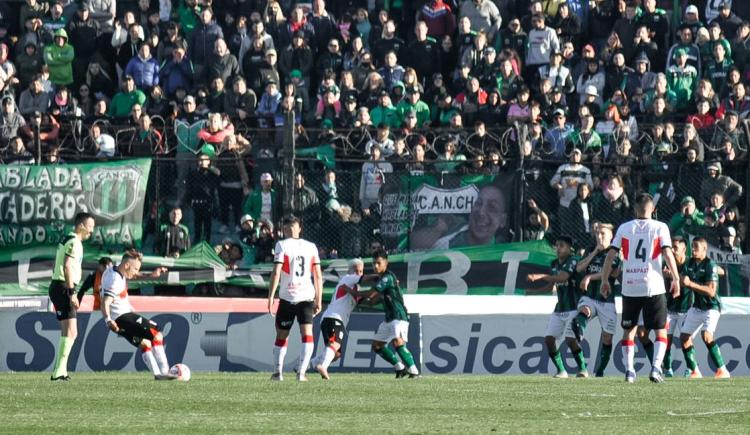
{"points": [[60, 60], [682, 81], [422, 109], [254, 204], [680, 224], [388, 115], [717, 73], [122, 103]]}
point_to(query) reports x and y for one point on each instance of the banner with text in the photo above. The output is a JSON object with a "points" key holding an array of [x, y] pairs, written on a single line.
{"points": [[38, 203]]}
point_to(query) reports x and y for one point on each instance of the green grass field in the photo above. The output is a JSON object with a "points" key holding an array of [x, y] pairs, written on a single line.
{"points": [[359, 403]]}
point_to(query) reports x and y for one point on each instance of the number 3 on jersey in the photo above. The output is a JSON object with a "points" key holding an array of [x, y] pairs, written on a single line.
{"points": [[298, 266]]}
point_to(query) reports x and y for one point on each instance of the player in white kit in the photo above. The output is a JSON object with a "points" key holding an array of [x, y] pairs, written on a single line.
{"points": [[336, 316], [122, 319], [643, 243], [297, 275]]}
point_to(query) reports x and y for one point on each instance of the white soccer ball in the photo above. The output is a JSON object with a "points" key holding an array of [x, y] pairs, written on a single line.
{"points": [[181, 371]]}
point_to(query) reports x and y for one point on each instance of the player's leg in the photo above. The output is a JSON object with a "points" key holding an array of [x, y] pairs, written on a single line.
{"points": [[150, 331], [305, 311], [586, 312], [332, 331], [631, 310], [709, 327], [385, 334], [690, 327], [655, 318], [555, 328], [578, 355], [66, 315], [607, 314], [399, 343], [284, 321], [672, 325], [648, 345]]}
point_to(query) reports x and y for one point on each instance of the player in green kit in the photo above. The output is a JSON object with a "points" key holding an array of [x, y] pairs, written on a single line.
{"points": [[701, 276], [677, 307], [562, 280], [592, 303], [65, 277], [395, 328]]}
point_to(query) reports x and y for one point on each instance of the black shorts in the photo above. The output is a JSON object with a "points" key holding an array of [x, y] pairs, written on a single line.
{"points": [[332, 330], [58, 294], [135, 328], [654, 311], [287, 312]]}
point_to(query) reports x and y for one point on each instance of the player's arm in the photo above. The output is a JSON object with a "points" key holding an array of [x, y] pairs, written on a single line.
{"points": [[666, 251], [583, 264], [606, 273], [588, 278], [318, 284], [558, 278], [275, 277], [153, 274], [546, 289], [86, 285], [706, 289], [106, 302], [68, 267]]}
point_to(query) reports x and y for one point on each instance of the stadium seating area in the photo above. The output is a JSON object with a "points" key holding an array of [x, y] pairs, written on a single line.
{"points": [[583, 103]]}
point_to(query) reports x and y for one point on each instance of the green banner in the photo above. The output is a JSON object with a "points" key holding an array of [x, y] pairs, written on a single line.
{"points": [[38, 203]]}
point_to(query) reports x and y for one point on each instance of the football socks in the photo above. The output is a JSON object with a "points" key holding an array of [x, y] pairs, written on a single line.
{"points": [[604, 355], [557, 360], [387, 354], [308, 346], [628, 352], [63, 352], [715, 353], [660, 348], [279, 353], [580, 360], [689, 353]]}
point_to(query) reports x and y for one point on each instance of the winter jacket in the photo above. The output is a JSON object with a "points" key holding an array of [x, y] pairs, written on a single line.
{"points": [[103, 11], [60, 60], [225, 67], [682, 81], [145, 72], [83, 36], [29, 103], [202, 42], [439, 18], [122, 103], [485, 17], [175, 75], [731, 189]]}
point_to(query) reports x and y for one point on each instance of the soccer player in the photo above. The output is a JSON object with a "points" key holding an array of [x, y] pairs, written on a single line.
{"points": [[562, 280], [297, 275], [122, 319], [336, 316], [395, 328], [643, 243], [592, 303], [700, 275], [677, 307], [65, 277]]}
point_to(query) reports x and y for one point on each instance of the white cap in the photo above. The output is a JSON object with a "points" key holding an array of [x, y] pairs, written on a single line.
{"points": [[591, 90], [245, 218], [692, 9], [266, 177]]}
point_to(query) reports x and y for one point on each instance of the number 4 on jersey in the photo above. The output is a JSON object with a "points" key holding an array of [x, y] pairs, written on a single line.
{"points": [[641, 252]]}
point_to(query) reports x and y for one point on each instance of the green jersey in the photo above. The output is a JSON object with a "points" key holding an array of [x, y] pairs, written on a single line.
{"points": [[567, 294], [393, 301], [595, 266], [70, 246], [703, 272], [683, 302]]}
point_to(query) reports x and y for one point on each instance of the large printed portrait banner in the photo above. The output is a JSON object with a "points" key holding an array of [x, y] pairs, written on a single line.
{"points": [[38, 203]]}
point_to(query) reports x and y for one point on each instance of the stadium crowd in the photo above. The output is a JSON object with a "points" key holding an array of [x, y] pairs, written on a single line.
{"points": [[593, 100]]}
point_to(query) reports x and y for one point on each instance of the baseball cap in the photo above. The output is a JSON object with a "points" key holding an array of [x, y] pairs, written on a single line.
{"points": [[692, 9], [680, 52], [728, 231], [350, 99], [557, 90], [270, 51], [715, 166], [245, 218], [591, 90], [295, 73], [559, 112], [266, 177], [189, 99], [687, 200], [725, 4]]}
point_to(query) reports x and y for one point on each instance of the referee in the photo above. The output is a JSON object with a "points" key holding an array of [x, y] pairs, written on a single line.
{"points": [[65, 277]]}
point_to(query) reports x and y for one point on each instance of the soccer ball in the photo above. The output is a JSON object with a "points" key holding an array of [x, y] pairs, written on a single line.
{"points": [[181, 371]]}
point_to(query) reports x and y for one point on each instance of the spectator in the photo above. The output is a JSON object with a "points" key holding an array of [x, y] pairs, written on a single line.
{"points": [[59, 57], [173, 238], [483, 15], [144, 69], [201, 191], [269, 104], [323, 25], [99, 81], [84, 34], [262, 203], [569, 176], [28, 64], [543, 42], [538, 222], [202, 42], [296, 57], [557, 135], [373, 178], [578, 218], [306, 206], [439, 18], [612, 204], [123, 102], [688, 220], [718, 69], [412, 103], [17, 154], [33, 99], [423, 53], [235, 179], [64, 105], [450, 159], [717, 183]]}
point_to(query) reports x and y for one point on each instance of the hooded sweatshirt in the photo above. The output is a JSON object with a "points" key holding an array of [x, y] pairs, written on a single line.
{"points": [[60, 60]]}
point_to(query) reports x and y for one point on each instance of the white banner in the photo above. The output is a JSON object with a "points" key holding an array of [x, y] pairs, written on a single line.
{"points": [[514, 344]]}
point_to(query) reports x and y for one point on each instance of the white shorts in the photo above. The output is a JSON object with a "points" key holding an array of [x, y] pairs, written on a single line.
{"points": [[388, 331], [700, 320], [558, 325], [674, 323], [606, 312]]}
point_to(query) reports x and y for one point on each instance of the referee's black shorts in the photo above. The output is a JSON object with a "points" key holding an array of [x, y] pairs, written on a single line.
{"points": [[654, 310], [58, 294]]}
